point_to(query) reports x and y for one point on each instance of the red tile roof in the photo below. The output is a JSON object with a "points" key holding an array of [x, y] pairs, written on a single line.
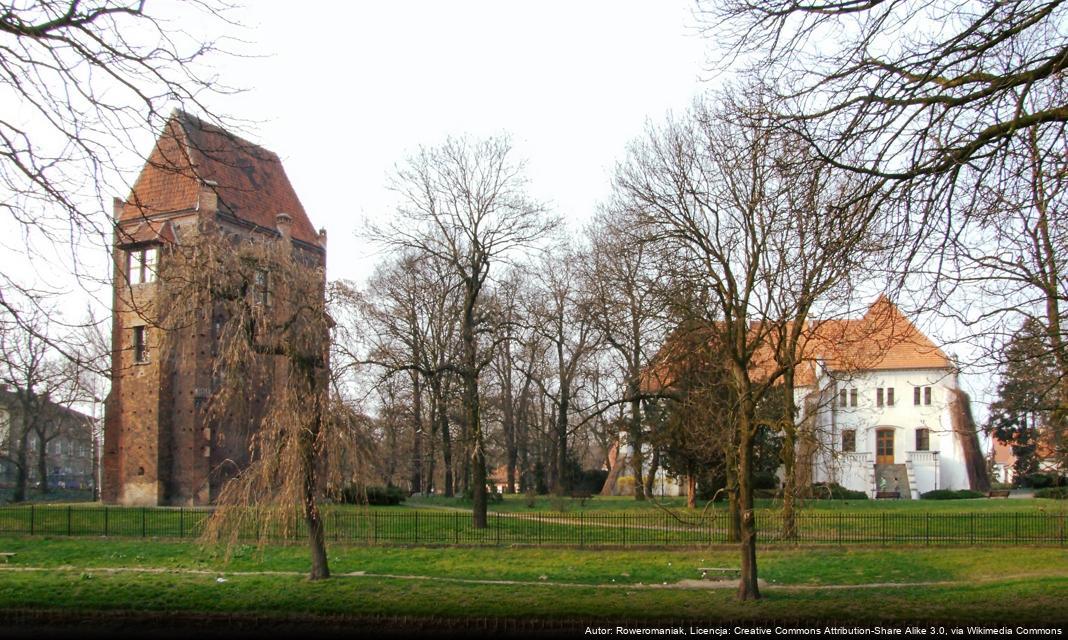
{"points": [[884, 339], [251, 183]]}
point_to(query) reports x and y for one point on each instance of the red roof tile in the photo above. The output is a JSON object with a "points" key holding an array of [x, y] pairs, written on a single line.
{"points": [[251, 183], [884, 339]]}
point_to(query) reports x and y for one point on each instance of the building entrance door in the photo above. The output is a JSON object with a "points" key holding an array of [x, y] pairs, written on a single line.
{"points": [[884, 446]]}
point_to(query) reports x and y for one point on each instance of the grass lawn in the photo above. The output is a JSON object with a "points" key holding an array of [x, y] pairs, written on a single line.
{"points": [[972, 522], [617, 504], [72, 575]]}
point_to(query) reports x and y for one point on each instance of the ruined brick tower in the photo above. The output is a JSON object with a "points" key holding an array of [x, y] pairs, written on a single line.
{"points": [[159, 449]]}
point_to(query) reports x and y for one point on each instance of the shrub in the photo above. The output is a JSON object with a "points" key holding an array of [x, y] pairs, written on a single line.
{"points": [[1038, 480], [949, 494], [765, 480], [589, 481], [1053, 493], [374, 495], [835, 491]]}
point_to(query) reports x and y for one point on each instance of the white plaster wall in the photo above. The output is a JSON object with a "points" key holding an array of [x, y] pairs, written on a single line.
{"points": [[905, 417]]}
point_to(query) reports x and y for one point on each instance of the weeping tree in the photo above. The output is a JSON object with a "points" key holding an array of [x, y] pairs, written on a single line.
{"points": [[264, 300]]}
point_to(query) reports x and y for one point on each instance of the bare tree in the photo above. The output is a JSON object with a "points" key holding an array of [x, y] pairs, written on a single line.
{"points": [[961, 109], [716, 197], [465, 204], [622, 278], [44, 387], [267, 300], [559, 312], [90, 77], [925, 88]]}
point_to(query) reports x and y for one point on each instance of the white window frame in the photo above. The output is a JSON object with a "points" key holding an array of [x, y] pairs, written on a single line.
{"points": [[141, 264]]}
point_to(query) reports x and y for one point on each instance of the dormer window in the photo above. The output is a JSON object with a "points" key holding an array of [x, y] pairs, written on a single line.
{"points": [[141, 264]]}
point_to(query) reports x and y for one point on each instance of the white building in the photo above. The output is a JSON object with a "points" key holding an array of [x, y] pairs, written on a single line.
{"points": [[884, 408]]}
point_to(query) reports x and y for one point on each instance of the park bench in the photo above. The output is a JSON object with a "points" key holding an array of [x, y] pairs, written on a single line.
{"points": [[998, 493], [7, 556], [881, 495], [712, 573]]}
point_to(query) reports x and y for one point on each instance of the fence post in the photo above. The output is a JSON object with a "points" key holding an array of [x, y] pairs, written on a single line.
{"points": [[374, 526], [105, 521], [624, 528], [927, 530], [32, 519], [497, 517], [456, 527], [417, 527], [337, 531], [582, 529], [70, 510], [972, 519], [181, 522], [144, 516], [839, 529]]}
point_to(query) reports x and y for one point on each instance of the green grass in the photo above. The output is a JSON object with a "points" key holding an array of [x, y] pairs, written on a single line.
{"points": [[617, 504], [986, 523], [1031, 584]]}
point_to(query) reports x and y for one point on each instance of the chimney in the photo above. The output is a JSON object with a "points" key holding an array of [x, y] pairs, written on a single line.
{"points": [[208, 200], [116, 207], [284, 223], [322, 237]]}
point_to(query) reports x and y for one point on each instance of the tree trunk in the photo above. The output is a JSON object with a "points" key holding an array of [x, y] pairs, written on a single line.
{"points": [[748, 588], [691, 491], [42, 465], [789, 458], [416, 476], [312, 516], [560, 480], [21, 465], [446, 441], [650, 477], [474, 419], [636, 443], [734, 520]]}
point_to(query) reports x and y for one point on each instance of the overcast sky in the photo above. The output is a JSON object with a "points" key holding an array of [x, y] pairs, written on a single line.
{"points": [[344, 94]]}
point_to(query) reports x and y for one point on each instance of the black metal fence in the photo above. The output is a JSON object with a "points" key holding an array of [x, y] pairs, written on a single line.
{"points": [[418, 527]]}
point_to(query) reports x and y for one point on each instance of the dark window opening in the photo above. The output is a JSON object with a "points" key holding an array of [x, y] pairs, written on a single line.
{"points": [[849, 441], [923, 439], [140, 345]]}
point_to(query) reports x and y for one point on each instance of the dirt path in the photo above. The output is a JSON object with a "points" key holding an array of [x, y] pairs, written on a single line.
{"points": [[224, 576]]}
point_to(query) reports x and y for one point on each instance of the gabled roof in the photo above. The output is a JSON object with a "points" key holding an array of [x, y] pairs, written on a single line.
{"points": [[883, 340], [249, 180]]}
